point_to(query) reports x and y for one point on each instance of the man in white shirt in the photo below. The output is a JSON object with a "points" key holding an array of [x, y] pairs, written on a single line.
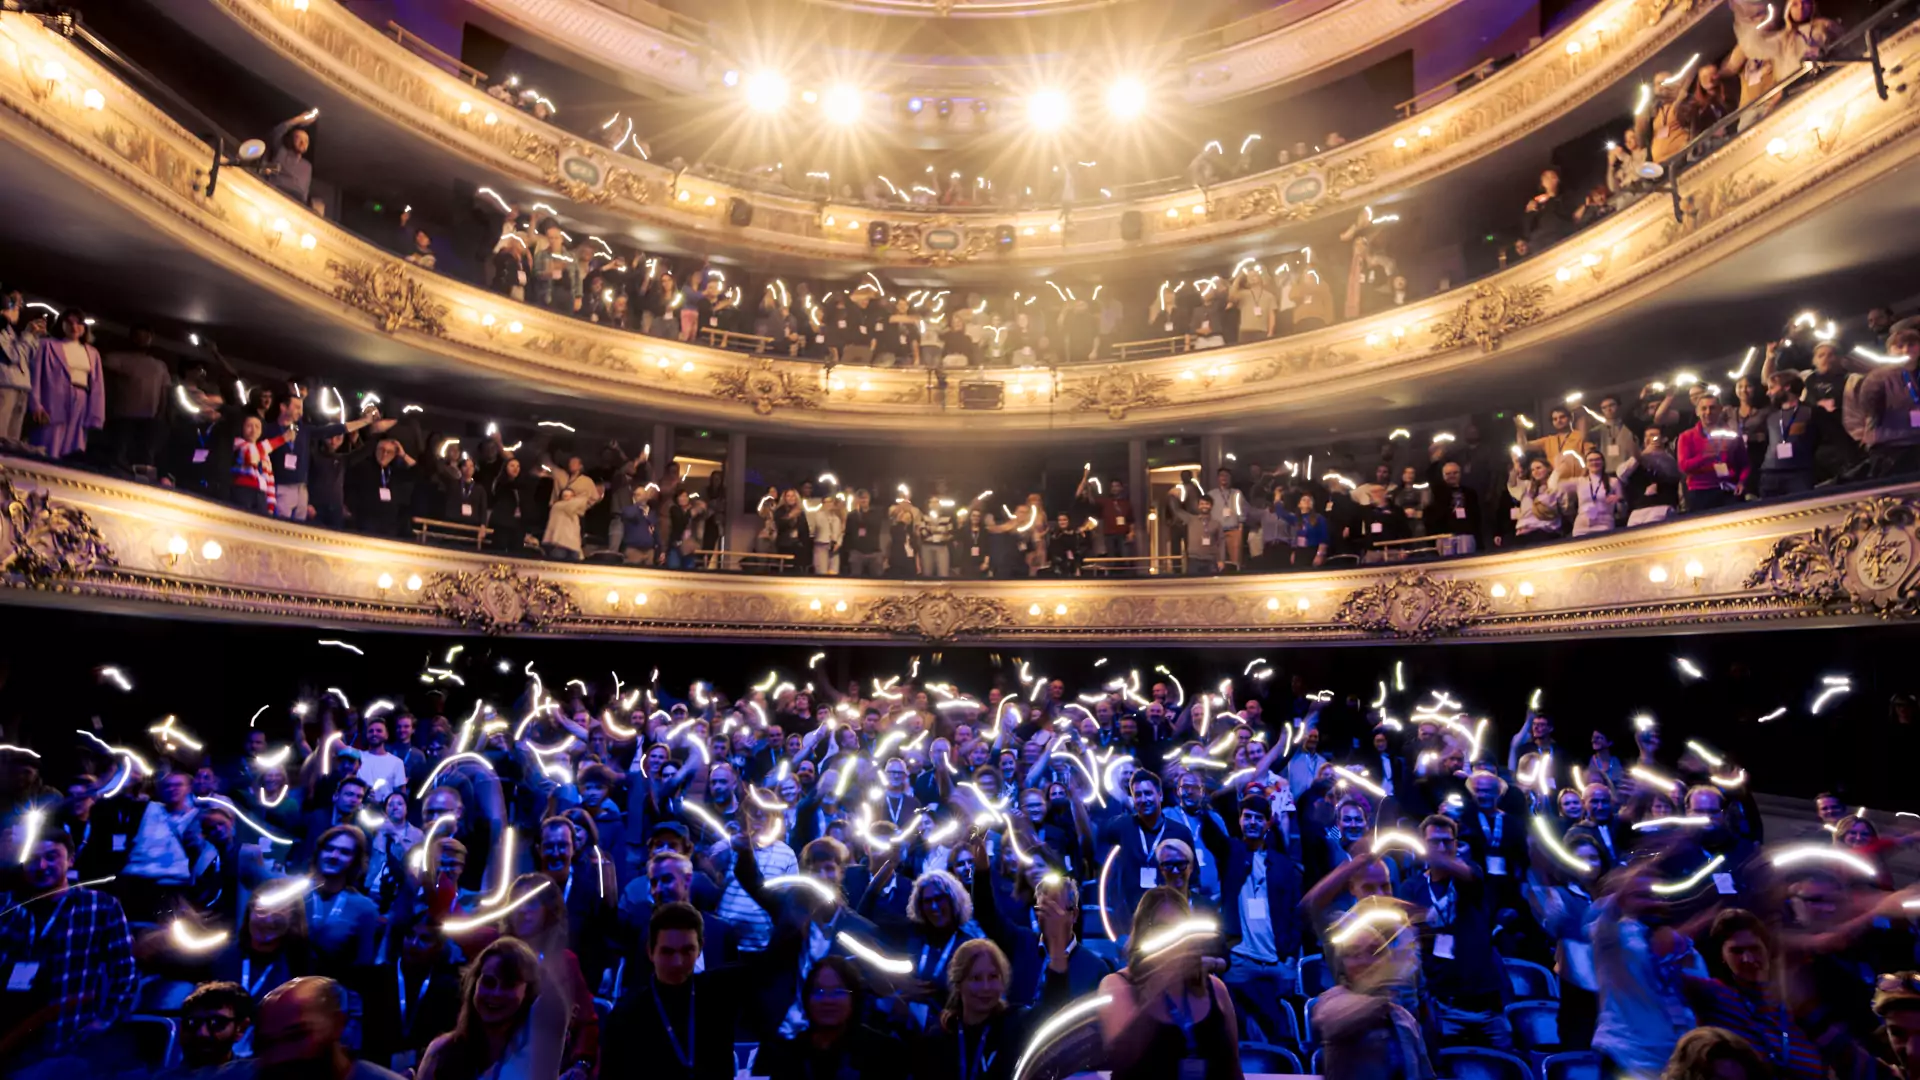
{"points": [[1229, 510], [160, 857], [384, 773]]}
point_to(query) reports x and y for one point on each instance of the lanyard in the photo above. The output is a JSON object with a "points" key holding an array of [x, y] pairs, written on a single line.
{"points": [[246, 975], [401, 974], [313, 907], [36, 932], [1442, 905], [383, 476], [1596, 487], [1499, 827], [894, 805], [980, 1060], [684, 1056], [927, 950], [1786, 421], [1151, 848]]}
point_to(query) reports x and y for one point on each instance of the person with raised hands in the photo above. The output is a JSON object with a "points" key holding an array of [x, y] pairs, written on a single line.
{"points": [[1169, 1014]]}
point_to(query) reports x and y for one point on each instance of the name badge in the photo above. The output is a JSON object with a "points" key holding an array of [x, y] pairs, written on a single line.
{"points": [[1119, 521], [1169, 328], [1443, 946], [1783, 451], [119, 843], [291, 461], [862, 532], [1255, 908], [819, 339], [1913, 418], [1723, 884], [1256, 313], [1149, 877], [1652, 489], [200, 456], [1460, 512], [713, 321], [386, 494], [1497, 866], [842, 324], [1720, 469], [1374, 527], [976, 553], [1299, 541], [1206, 541], [22, 975], [466, 509]]}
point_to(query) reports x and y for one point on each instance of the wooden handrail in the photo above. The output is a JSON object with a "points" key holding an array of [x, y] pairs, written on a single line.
{"points": [[1170, 346], [409, 39]]}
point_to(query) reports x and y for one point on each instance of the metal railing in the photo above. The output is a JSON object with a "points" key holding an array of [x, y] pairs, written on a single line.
{"points": [[426, 49]]}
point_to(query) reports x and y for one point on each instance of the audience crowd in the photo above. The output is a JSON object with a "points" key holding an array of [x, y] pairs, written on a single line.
{"points": [[904, 880]]}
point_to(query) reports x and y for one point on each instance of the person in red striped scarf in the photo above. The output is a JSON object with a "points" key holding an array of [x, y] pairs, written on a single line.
{"points": [[253, 466]]}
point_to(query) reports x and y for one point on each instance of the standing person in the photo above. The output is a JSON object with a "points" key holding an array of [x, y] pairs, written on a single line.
{"points": [[1593, 497], [1139, 835], [343, 926], [978, 1036], [864, 530], [667, 1010], [1259, 911], [1742, 996], [1638, 964], [1537, 515], [826, 526], [69, 396], [1560, 902], [1169, 1015], [1713, 459], [834, 1042], [287, 168], [1453, 510], [936, 538], [1889, 407], [71, 948], [1457, 954], [379, 489], [1203, 535], [506, 508], [293, 461], [1259, 308], [1793, 439], [19, 342], [573, 494], [1229, 510], [137, 384], [252, 487]]}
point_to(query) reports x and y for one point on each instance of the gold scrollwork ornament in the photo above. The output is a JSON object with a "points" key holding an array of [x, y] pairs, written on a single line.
{"points": [[1489, 315], [1865, 564], [1414, 605], [938, 615], [764, 387], [45, 540], [395, 300], [498, 600], [1118, 392]]}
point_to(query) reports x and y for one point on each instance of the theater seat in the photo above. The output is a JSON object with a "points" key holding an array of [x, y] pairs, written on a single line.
{"points": [[1268, 1058], [1574, 1065], [1474, 1063], [1536, 1024], [155, 1040], [1315, 978], [1530, 981]]}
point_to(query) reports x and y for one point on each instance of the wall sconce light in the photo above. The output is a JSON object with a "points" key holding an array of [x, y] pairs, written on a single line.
{"points": [[840, 607], [277, 232], [1302, 604], [613, 598], [176, 547], [1526, 593], [384, 582], [307, 242], [1273, 603], [815, 605], [1059, 609], [1657, 575], [640, 599], [211, 551], [1696, 574], [1033, 610], [413, 583], [94, 100], [1498, 591]]}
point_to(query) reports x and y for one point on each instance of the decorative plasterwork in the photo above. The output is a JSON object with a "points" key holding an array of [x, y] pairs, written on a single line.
{"points": [[1866, 563], [1117, 392], [396, 299], [1415, 606], [1490, 313], [1542, 85], [498, 600], [134, 156], [764, 387], [939, 615], [45, 541], [261, 567]]}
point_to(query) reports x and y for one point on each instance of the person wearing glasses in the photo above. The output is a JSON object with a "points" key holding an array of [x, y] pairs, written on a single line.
{"points": [[212, 1019], [834, 1042]]}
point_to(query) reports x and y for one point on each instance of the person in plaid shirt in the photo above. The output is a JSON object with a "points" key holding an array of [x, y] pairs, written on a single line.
{"points": [[66, 957]]}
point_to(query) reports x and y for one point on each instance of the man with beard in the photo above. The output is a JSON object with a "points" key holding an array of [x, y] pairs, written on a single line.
{"points": [[67, 958], [212, 1019], [1138, 836]]}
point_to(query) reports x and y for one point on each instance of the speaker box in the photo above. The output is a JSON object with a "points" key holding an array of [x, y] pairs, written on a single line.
{"points": [[983, 395], [740, 212], [1131, 225]]}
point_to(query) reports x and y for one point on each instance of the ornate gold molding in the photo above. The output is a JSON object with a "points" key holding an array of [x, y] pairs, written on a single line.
{"points": [[261, 567], [1868, 563], [939, 615], [136, 157], [764, 387], [498, 600], [1489, 314], [1541, 86], [46, 541], [1117, 392], [1415, 606], [396, 300]]}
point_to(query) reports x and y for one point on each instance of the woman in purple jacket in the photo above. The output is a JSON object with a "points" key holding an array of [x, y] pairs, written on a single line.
{"points": [[69, 394]]}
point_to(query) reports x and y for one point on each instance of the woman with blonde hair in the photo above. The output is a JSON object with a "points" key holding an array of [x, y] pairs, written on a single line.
{"points": [[979, 1035]]}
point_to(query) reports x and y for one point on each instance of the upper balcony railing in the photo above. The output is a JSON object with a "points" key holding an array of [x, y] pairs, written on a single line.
{"points": [[357, 61], [1833, 136]]}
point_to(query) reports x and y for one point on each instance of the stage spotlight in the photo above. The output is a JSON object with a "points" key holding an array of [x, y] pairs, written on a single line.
{"points": [[1047, 110], [1127, 99], [766, 91], [842, 104]]}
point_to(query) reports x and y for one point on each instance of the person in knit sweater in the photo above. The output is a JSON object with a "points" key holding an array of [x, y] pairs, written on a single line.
{"points": [[252, 485]]}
